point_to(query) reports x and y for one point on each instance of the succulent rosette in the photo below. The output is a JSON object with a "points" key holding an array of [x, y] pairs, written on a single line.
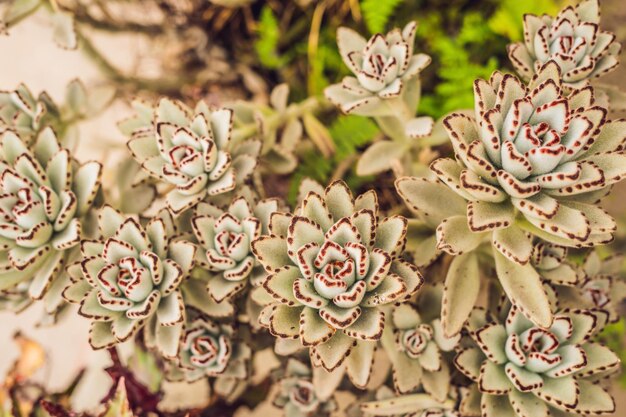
{"points": [[551, 263], [192, 151], [532, 162], [26, 114], [210, 349], [416, 344], [524, 370], [129, 278], [225, 238], [44, 197], [297, 395], [600, 285], [331, 267], [385, 71], [573, 39]]}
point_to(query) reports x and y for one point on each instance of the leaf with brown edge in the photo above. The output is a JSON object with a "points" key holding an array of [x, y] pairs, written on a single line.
{"points": [[522, 284], [461, 290]]}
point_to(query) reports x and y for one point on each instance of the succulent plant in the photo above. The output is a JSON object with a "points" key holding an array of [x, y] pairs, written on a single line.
{"points": [[209, 349], [129, 278], [573, 39], [297, 395], [26, 114], [600, 286], [190, 150], [45, 196], [523, 370], [531, 163], [386, 73], [225, 237], [279, 142], [417, 344], [331, 267], [551, 263]]}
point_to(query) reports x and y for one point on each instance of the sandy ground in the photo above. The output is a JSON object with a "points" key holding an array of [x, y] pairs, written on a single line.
{"points": [[46, 67]]}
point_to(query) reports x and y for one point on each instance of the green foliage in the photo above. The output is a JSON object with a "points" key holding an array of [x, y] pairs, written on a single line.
{"points": [[376, 13], [613, 336], [458, 67], [349, 133], [266, 45], [509, 18]]}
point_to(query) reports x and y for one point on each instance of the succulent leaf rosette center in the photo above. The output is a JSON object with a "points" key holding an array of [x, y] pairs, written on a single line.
{"points": [[415, 341], [205, 347]]}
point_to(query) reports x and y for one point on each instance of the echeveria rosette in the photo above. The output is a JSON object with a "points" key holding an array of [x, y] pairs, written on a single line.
{"points": [[297, 394], [416, 345], [573, 39], [211, 350], [129, 278], [386, 72], [44, 197], [190, 150], [524, 370], [224, 237], [550, 261], [332, 265], [600, 285], [531, 163], [26, 114]]}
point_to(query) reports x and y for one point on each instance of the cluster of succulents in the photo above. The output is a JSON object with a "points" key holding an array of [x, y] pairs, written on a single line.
{"points": [[476, 288]]}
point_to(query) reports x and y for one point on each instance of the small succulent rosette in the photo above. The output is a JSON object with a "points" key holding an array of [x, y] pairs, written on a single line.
{"points": [[129, 279], [211, 350], [573, 39], [416, 344], [386, 73], [190, 150], [297, 395], [414, 405], [524, 370], [26, 114], [551, 263], [279, 143], [332, 265], [224, 238], [44, 197], [600, 286]]}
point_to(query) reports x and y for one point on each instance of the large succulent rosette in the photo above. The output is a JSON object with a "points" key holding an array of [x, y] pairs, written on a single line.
{"points": [[189, 150], [385, 71], [297, 395], [416, 344], [524, 370], [129, 278], [332, 266], [225, 237], [573, 39], [44, 197]]}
